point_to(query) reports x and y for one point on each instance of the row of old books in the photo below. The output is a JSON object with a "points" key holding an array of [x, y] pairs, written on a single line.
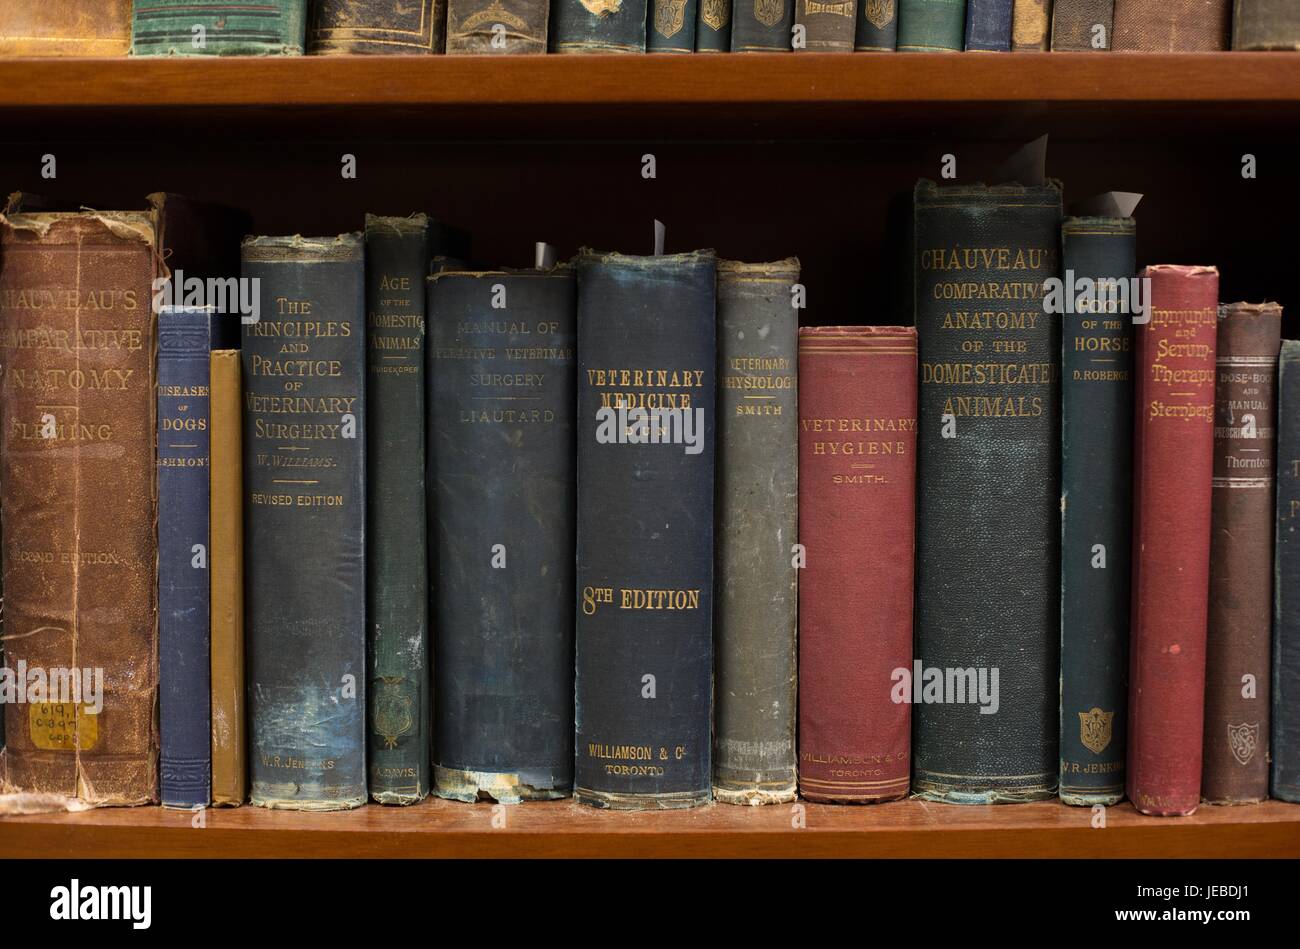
{"points": [[619, 528], [291, 27]]}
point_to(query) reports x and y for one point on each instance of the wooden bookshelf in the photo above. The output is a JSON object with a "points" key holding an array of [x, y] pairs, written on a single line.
{"points": [[827, 95], [760, 156], [563, 829]]}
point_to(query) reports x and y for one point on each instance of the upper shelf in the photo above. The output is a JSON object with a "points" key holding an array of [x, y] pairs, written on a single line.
{"points": [[1084, 96]]}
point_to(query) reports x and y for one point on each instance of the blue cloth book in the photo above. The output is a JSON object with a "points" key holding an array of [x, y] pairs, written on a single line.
{"points": [[988, 25], [183, 618]]}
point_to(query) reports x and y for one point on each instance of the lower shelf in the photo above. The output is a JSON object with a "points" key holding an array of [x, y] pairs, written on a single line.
{"points": [[439, 828]]}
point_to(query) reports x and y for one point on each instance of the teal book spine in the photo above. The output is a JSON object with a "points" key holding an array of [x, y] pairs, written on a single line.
{"points": [[931, 26], [218, 28]]}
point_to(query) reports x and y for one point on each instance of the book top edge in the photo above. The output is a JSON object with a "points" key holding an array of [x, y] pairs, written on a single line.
{"points": [[1118, 224], [928, 188], [1267, 308], [1184, 270], [649, 262], [559, 270], [827, 333], [49, 225], [347, 247], [739, 270], [410, 224]]}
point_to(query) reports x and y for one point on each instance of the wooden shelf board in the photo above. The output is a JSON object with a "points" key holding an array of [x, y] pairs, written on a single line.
{"points": [[438, 828], [827, 95]]}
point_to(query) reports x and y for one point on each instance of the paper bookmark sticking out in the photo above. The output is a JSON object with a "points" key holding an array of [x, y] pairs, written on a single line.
{"points": [[1028, 166], [543, 255], [659, 238], [1107, 204]]}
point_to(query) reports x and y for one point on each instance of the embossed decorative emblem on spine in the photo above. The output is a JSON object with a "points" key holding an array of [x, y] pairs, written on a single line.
{"points": [[669, 16], [1095, 729], [495, 13], [601, 8], [715, 13], [880, 13], [769, 12], [394, 716], [1243, 739]]}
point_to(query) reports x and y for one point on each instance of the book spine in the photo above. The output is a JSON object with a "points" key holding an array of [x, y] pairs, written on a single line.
{"points": [[1031, 25], [831, 25], [877, 30], [713, 23], [1171, 26], [226, 564], [1096, 510], [857, 492], [988, 521], [502, 500], [645, 438], [497, 26], [184, 693], [1082, 25], [671, 26], [397, 580], [1235, 763], [1266, 24], [304, 498], [1285, 778], [757, 520], [1173, 464], [384, 28], [67, 28], [598, 26], [931, 26], [759, 26], [218, 28], [988, 25], [78, 498]]}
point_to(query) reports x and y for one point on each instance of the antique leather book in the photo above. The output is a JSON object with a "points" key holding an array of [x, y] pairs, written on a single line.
{"points": [[226, 564], [831, 25], [184, 694], [757, 519], [496, 26], [1031, 25], [647, 372], [1266, 24], [670, 26], [988, 25], [988, 496], [77, 493], [501, 494], [857, 492], [1173, 464], [397, 580], [758, 26], [877, 29], [598, 26], [1285, 777], [930, 26], [1171, 26], [1096, 509], [304, 497], [385, 28], [66, 28], [1239, 630], [714, 18], [1075, 23], [218, 28]]}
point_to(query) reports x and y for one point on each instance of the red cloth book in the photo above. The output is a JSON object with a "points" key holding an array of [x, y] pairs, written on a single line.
{"points": [[1173, 461], [857, 524]]}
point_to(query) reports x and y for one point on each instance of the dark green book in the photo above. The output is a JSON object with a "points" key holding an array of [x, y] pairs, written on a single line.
{"points": [[501, 495], [218, 28], [1096, 504], [713, 27], [304, 364], [761, 26], [598, 26], [930, 26], [671, 26], [988, 582], [397, 580]]}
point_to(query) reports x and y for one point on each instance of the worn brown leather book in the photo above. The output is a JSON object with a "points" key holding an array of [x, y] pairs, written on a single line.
{"points": [[376, 27], [497, 26], [1030, 25], [1082, 25], [1171, 26], [226, 566], [1237, 648], [77, 338], [1266, 24], [831, 25], [65, 28]]}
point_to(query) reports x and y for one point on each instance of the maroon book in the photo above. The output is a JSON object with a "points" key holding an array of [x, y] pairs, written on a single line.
{"points": [[1173, 466], [857, 496]]}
